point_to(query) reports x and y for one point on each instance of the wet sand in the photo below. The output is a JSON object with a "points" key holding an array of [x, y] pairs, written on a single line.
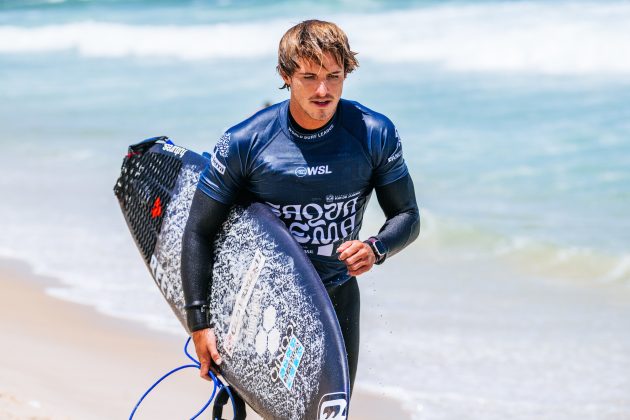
{"points": [[61, 360]]}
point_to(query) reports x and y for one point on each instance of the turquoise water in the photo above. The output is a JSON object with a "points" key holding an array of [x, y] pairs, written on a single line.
{"points": [[514, 118]]}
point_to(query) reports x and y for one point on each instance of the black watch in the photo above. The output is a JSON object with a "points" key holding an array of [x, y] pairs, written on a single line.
{"points": [[378, 247]]}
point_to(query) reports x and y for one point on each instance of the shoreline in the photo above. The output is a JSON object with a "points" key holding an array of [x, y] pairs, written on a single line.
{"points": [[64, 360]]}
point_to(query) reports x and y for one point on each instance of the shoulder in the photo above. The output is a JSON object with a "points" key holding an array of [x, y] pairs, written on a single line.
{"points": [[255, 130], [374, 131], [359, 117]]}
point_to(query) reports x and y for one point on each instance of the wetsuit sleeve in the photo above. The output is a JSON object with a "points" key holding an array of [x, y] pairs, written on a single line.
{"points": [[223, 178], [398, 201], [387, 153], [206, 216]]}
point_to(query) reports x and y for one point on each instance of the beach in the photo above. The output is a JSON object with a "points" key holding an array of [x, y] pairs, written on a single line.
{"points": [[490, 347], [495, 346], [61, 360], [514, 302]]}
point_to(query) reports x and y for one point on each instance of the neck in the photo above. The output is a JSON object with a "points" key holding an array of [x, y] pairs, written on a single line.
{"points": [[305, 121]]}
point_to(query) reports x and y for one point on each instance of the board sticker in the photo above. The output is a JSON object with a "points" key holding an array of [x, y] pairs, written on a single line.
{"points": [[242, 299], [333, 407]]}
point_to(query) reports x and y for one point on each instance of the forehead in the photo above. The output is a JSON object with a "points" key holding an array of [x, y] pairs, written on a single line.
{"points": [[328, 64]]}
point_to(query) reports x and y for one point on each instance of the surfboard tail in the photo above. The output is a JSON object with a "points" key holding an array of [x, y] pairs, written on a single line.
{"points": [[143, 191]]}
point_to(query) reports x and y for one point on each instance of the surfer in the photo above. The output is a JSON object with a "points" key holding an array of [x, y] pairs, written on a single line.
{"points": [[314, 160]]}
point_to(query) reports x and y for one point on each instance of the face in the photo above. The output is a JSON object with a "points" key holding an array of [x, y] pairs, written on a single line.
{"points": [[315, 91]]}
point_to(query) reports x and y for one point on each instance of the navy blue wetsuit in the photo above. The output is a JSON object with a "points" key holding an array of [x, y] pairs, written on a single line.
{"points": [[318, 183]]}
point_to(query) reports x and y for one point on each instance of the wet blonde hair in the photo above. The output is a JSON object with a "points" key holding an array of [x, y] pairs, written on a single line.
{"points": [[310, 40]]}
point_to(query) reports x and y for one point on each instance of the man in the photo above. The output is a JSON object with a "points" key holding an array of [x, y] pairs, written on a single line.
{"points": [[315, 160]]}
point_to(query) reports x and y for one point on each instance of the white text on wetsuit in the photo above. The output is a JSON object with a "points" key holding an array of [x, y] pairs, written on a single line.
{"points": [[319, 226]]}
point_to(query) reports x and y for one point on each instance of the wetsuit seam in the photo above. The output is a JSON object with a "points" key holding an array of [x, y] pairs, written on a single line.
{"points": [[264, 147]]}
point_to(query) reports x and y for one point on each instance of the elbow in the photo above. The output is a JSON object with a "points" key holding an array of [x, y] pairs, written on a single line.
{"points": [[415, 226]]}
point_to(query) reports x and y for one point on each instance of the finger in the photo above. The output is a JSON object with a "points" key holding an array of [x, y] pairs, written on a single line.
{"points": [[204, 369], [358, 265], [212, 348], [351, 250], [343, 246], [361, 254], [216, 357], [359, 271]]}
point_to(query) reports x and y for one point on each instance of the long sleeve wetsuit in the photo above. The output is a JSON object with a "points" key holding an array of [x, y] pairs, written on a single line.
{"points": [[318, 183], [206, 216]]}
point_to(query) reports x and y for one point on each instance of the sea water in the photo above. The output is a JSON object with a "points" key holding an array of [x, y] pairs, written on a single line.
{"points": [[515, 120]]}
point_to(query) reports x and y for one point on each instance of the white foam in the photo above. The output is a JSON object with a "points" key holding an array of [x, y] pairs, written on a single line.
{"points": [[101, 39], [620, 271], [547, 38]]}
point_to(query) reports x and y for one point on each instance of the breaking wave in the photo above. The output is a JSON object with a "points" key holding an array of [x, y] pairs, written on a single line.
{"points": [[530, 37]]}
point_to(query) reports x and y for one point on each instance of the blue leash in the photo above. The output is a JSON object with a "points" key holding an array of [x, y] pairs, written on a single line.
{"points": [[218, 385]]}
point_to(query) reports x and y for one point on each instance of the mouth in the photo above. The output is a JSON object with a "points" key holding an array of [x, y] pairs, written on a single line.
{"points": [[321, 103]]}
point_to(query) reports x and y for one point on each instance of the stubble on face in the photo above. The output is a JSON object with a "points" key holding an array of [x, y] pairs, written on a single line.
{"points": [[315, 91]]}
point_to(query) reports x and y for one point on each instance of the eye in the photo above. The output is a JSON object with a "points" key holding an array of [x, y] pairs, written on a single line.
{"points": [[309, 76]]}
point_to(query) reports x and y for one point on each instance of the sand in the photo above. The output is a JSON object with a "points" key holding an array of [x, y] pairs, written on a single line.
{"points": [[61, 360]]}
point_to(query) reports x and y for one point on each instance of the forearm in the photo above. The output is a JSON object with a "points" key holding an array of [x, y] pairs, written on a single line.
{"points": [[206, 216], [402, 226]]}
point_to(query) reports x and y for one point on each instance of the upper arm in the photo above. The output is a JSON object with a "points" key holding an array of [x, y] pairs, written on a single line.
{"points": [[388, 156], [225, 175], [397, 197], [206, 215]]}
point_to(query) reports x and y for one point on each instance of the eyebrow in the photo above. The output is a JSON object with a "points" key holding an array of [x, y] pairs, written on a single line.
{"points": [[304, 73]]}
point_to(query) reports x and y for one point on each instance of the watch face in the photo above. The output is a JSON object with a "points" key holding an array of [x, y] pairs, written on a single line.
{"points": [[379, 247]]}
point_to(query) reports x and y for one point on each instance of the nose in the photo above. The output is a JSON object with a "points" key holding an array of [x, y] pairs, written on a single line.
{"points": [[322, 89]]}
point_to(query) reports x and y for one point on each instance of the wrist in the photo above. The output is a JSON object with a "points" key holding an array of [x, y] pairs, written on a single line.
{"points": [[197, 316], [378, 248]]}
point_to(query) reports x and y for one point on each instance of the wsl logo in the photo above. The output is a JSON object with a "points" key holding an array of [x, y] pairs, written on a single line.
{"points": [[303, 171]]}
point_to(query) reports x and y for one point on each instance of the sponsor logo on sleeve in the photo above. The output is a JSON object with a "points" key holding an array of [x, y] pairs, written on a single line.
{"points": [[217, 165], [333, 407], [223, 144], [397, 153]]}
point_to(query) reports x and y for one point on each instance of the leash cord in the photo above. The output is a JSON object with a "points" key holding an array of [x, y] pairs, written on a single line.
{"points": [[218, 385]]}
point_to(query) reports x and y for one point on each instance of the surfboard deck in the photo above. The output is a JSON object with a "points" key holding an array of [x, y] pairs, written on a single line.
{"points": [[276, 329]]}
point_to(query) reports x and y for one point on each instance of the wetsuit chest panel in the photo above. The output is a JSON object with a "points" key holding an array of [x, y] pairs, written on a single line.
{"points": [[318, 184]]}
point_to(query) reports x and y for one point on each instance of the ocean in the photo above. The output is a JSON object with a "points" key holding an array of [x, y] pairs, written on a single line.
{"points": [[515, 122]]}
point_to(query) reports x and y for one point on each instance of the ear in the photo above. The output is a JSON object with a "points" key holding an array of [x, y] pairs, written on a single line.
{"points": [[286, 79]]}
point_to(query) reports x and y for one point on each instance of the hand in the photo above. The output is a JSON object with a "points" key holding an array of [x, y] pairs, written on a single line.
{"points": [[358, 256], [206, 348]]}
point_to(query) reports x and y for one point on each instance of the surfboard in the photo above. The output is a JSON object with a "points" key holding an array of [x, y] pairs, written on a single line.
{"points": [[276, 329]]}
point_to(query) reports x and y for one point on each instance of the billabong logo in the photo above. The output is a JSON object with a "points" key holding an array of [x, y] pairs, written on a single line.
{"points": [[333, 406], [303, 171], [176, 150]]}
